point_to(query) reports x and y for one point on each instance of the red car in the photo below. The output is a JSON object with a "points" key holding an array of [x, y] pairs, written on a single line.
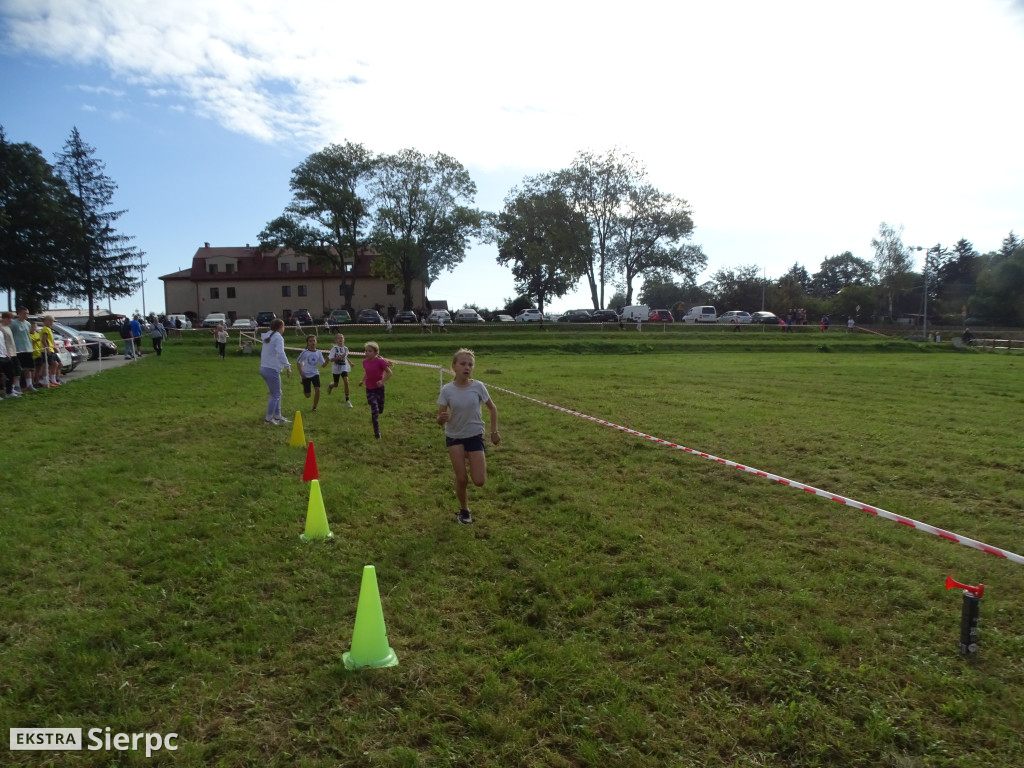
{"points": [[660, 316]]}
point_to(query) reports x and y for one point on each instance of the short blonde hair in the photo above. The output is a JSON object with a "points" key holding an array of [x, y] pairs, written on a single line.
{"points": [[463, 351], [372, 345]]}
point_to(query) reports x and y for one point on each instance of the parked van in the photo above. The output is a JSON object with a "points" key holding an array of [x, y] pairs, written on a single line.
{"points": [[635, 312], [701, 315]]}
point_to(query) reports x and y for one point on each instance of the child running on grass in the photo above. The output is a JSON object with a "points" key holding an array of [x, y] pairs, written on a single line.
{"points": [[310, 360], [339, 365], [376, 370], [459, 413]]}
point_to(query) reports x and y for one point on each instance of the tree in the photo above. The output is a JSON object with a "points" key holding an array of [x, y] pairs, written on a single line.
{"points": [[421, 226], [999, 295], [597, 186], [99, 261], [649, 228], [956, 277], [737, 289], [1010, 243], [838, 272], [326, 216], [545, 241], [893, 264], [34, 225]]}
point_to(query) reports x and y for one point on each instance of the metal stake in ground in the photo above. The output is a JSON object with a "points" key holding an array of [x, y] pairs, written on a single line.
{"points": [[968, 615]]}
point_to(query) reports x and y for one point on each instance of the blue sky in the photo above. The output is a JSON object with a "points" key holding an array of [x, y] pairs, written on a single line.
{"points": [[792, 128]]}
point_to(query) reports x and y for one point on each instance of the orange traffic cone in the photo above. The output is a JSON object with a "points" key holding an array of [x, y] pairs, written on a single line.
{"points": [[369, 638], [310, 472]]}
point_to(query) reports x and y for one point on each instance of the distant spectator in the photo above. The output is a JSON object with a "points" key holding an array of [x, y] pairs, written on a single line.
{"points": [[968, 337], [50, 360], [825, 322], [8, 358], [129, 342], [221, 336], [20, 328], [157, 333], [137, 336], [849, 323]]}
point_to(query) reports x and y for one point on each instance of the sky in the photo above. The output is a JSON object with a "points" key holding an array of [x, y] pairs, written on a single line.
{"points": [[793, 129]]}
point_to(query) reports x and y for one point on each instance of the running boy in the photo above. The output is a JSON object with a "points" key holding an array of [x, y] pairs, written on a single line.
{"points": [[339, 365], [459, 413], [376, 371], [310, 360]]}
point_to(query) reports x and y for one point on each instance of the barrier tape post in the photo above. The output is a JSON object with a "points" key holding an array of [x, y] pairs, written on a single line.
{"points": [[969, 611]]}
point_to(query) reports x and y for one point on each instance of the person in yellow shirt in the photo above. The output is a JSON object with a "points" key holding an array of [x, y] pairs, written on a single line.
{"points": [[51, 364], [37, 352]]}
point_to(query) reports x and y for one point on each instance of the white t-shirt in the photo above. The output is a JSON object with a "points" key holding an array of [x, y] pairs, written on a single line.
{"points": [[309, 361], [341, 352], [464, 404]]}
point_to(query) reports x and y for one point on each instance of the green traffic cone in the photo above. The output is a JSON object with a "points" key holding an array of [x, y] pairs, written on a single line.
{"points": [[369, 637], [316, 517]]}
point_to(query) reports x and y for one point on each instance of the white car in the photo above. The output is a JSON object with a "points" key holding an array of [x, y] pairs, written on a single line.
{"points": [[741, 317], [214, 319], [437, 314], [468, 316], [242, 322], [529, 316]]}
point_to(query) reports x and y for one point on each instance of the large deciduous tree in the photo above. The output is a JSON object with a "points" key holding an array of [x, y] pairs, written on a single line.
{"points": [[543, 239], [737, 289], [893, 263], [839, 272], [34, 225], [650, 226], [328, 211], [99, 262], [597, 186], [422, 222]]}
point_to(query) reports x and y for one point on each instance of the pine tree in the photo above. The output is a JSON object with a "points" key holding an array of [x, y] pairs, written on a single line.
{"points": [[100, 261]]}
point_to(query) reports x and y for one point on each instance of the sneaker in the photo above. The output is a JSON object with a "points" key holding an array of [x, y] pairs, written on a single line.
{"points": [[282, 420], [51, 386], [313, 410], [464, 517], [271, 422], [348, 403], [14, 394], [331, 386]]}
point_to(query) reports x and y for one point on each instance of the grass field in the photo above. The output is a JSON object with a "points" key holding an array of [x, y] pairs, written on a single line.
{"points": [[616, 603]]}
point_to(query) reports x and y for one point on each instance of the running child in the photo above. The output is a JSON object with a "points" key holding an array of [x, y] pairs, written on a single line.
{"points": [[221, 335], [310, 360], [339, 365], [376, 371], [459, 412]]}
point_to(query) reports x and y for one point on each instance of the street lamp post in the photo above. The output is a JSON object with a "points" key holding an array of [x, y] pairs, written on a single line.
{"points": [[926, 252], [142, 275]]}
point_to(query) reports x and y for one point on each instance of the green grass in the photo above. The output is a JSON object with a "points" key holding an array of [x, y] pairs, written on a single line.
{"points": [[617, 603]]}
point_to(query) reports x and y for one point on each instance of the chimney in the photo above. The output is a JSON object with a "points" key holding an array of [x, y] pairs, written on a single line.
{"points": [[206, 244]]}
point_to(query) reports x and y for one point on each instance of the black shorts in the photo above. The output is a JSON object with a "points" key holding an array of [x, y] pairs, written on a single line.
{"points": [[311, 383], [470, 444], [26, 360], [51, 357]]}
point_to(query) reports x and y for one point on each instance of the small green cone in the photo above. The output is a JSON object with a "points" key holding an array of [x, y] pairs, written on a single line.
{"points": [[369, 637], [316, 517]]}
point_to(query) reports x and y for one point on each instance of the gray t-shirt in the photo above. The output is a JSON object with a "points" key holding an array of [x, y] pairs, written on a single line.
{"points": [[464, 405]]}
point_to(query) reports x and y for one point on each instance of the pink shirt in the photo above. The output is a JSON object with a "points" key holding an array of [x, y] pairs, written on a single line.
{"points": [[374, 370]]}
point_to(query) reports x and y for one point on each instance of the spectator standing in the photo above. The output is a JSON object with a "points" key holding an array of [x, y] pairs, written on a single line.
{"points": [[137, 336], [12, 368], [51, 363], [440, 323], [272, 360], [20, 329], [129, 343], [221, 336], [849, 323], [158, 333]]}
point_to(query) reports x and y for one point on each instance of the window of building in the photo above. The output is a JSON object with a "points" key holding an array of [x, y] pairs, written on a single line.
{"points": [[300, 266], [231, 293], [229, 268], [302, 290], [286, 291], [391, 289], [215, 293], [211, 268], [285, 266]]}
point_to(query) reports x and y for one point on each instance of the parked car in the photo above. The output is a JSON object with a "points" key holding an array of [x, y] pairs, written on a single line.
{"points": [[504, 319], [242, 322], [300, 315], [339, 317], [635, 312], [98, 344], [71, 341], [369, 317], [437, 314], [172, 321], [574, 316], [701, 314], [739, 315], [406, 316], [214, 319], [660, 316], [529, 316], [468, 316], [765, 318], [604, 316], [265, 318]]}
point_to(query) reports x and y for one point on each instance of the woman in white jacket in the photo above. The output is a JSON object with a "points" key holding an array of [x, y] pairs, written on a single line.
{"points": [[272, 360]]}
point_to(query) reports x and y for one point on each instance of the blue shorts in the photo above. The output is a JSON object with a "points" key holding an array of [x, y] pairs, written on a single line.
{"points": [[470, 444]]}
